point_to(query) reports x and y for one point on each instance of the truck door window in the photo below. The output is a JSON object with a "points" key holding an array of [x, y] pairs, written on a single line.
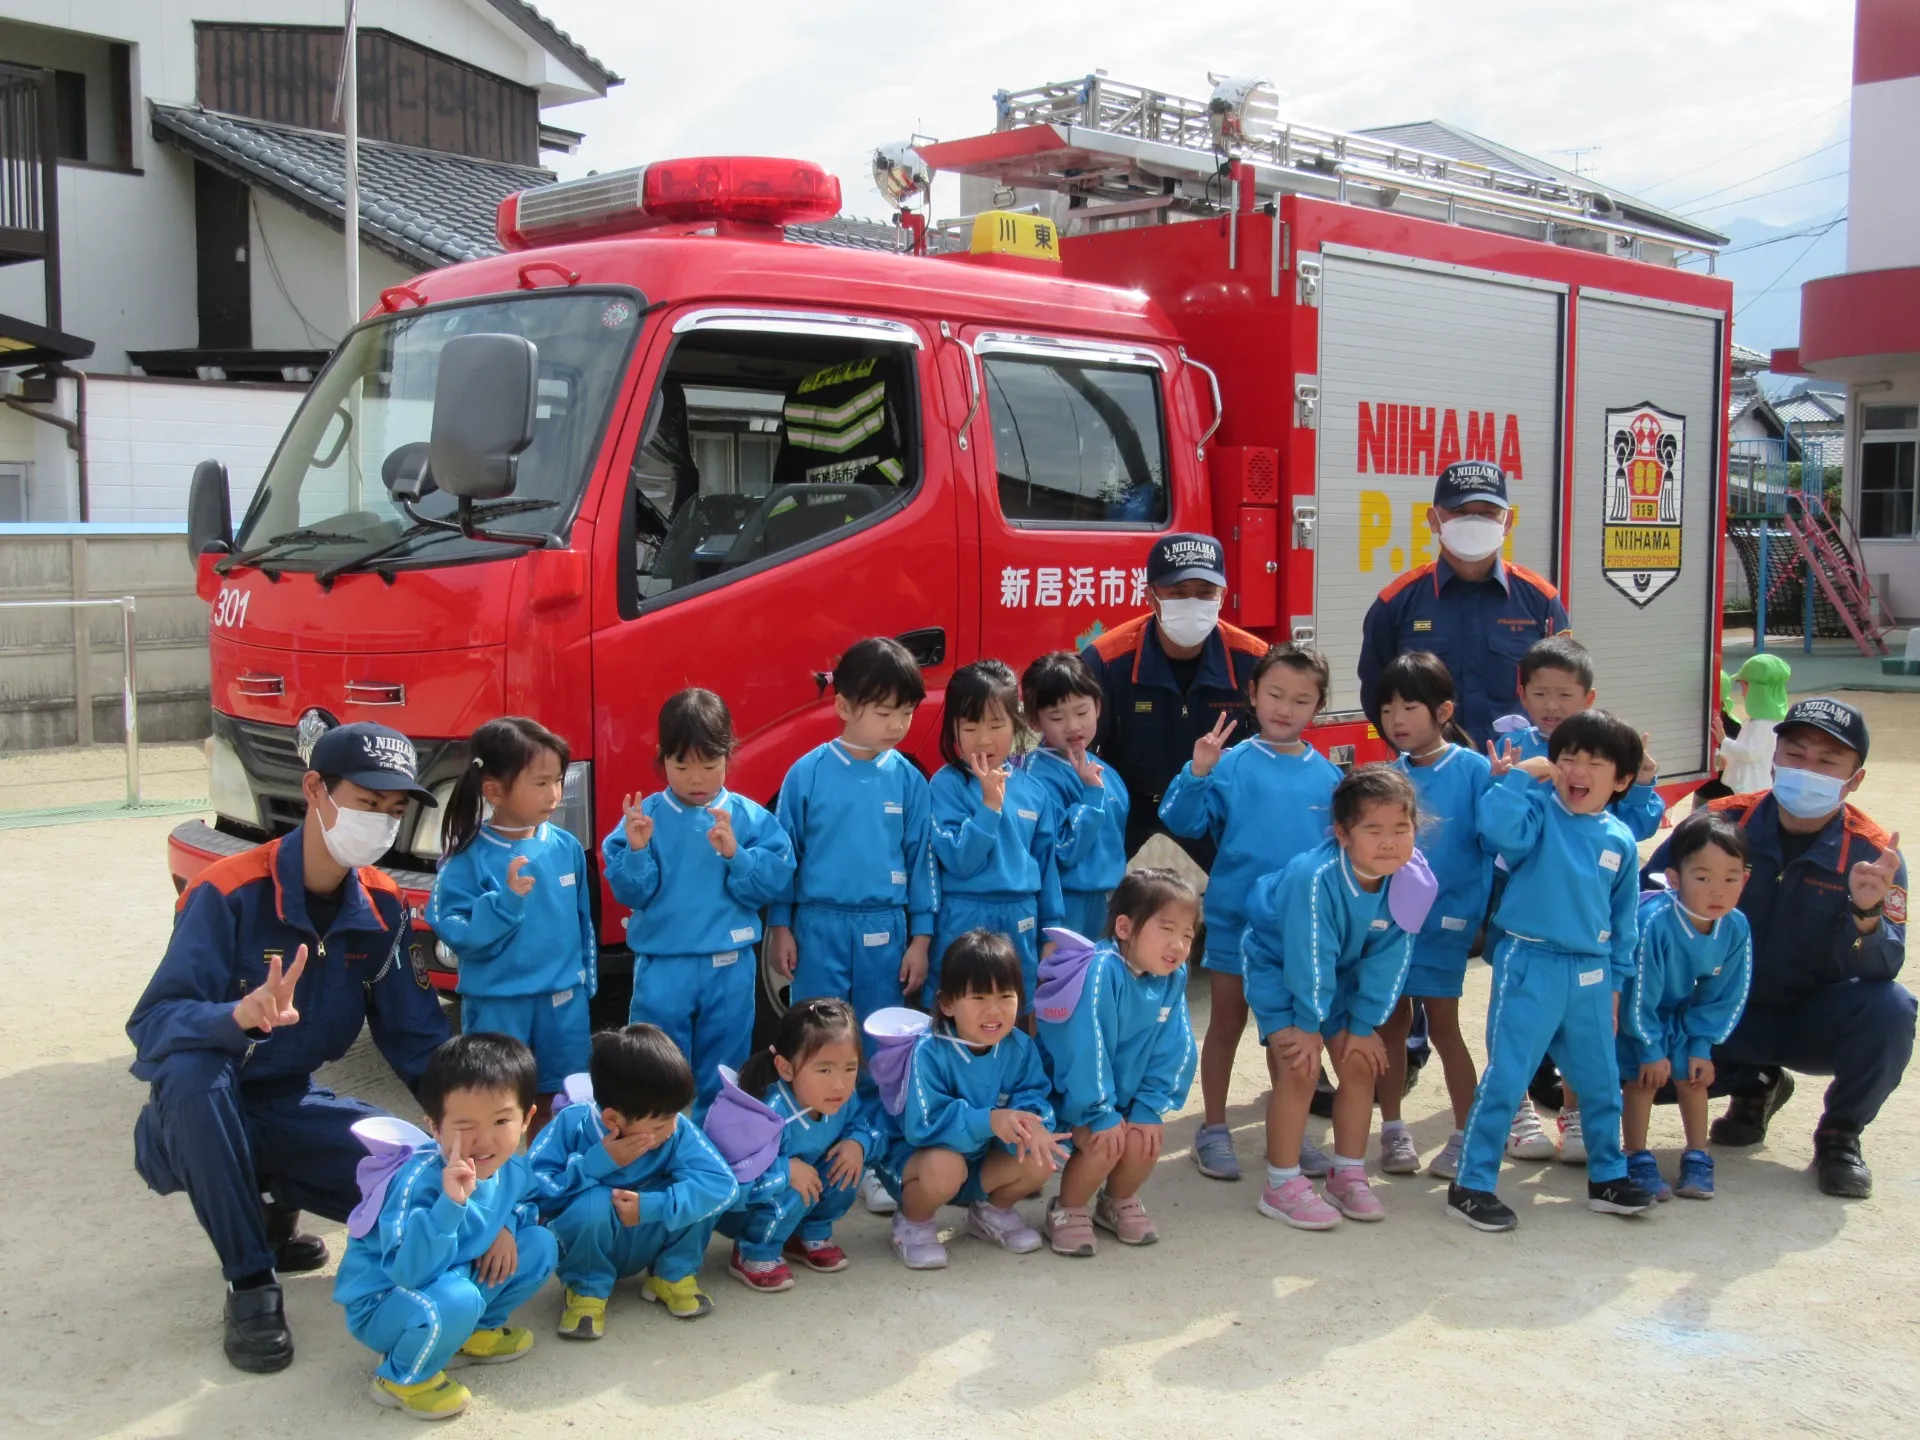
{"points": [[1076, 442], [765, 444]]}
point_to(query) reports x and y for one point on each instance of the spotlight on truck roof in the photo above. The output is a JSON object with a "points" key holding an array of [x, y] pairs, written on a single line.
{"points": [[748, 189], [900, 174], [1242, 108]]}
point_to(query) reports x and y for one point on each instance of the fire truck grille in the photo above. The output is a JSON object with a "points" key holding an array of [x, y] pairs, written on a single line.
{"points": [[270, 748]]}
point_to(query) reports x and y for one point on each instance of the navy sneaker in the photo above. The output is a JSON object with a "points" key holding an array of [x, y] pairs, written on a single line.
{"points": [[1644, 1171], [1696, 1175], [1617, 1197], [1481, 1209]]}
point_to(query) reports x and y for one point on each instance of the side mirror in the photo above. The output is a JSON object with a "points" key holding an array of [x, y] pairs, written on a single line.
{"points": [[483, 408], [209, 511], [407, 473]]}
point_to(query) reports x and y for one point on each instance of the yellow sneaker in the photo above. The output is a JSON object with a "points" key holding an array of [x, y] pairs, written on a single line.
{"points": [[495, 1347], [583, 1317], [435, 1398], [684, 1299]]}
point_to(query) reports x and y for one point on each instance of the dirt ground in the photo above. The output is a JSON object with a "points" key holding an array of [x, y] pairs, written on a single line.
{"points": [[1772, 1310]]}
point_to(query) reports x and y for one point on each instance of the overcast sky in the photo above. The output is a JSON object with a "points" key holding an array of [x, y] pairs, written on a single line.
{"points": [[1669, 92]]}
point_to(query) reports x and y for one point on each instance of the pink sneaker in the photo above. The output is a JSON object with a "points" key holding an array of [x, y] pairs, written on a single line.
{"points": [[1352, 1196], [1127, 1219], [1299, 1204]]}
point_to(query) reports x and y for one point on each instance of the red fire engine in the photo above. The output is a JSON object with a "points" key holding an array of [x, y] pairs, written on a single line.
{"points": [[656, 444]]}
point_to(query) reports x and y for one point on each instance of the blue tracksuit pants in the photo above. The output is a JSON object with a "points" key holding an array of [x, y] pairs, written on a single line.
{"points": [[762, 1229], [418, 1331], [852, 955], [1544, 999], [1086, 912], [1017, 919], [226, 1144], [705, 1004], [555, 1027], [596, 1249]]}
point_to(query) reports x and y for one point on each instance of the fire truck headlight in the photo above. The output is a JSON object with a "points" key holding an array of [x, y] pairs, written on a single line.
{"points": [[426, 827], [227, 785], [575, 814]]}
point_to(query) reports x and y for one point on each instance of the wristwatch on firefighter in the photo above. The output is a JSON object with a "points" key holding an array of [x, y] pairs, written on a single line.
{"points": [[1872, 912]]}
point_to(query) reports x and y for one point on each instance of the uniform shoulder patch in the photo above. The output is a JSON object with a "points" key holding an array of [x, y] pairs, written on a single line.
{"points": [[1897, 904]]}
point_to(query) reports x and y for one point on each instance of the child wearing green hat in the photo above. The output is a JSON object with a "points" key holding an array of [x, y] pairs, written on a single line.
{"points": [[1748, 755]]}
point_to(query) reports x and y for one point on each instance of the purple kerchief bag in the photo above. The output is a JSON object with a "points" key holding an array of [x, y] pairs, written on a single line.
{"points": [[391, 1142], [1511, 724], [744, 1130], [1411, 891], [578, 1091], [1063, 974], [894, 1032]]}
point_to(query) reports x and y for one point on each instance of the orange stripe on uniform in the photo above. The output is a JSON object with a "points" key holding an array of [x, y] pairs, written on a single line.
{"points": [[1538, 582], [234, 871], [1406, 578]]}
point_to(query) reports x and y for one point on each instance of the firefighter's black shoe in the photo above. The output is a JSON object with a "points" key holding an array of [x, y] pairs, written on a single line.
{"points": [[257, 1338], [1545, 1088], [1746, 1117], [293, 1253], [1837, 1161], [1482, 1209], [1617, 1197]]}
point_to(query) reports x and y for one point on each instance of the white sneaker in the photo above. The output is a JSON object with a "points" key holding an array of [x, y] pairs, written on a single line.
{"points": [[918, 1245], [1315, 1163], [874, 1195], [1004, 1228], [1573, 1140], [1398, 1154], [1526, 1140]]}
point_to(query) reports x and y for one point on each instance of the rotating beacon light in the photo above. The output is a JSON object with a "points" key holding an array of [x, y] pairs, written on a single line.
{"points": [[1242, 109], [741, 189], [900, 175]]}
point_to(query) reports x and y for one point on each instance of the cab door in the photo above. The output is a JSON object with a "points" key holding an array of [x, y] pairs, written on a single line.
{"points": [[789, 490]]}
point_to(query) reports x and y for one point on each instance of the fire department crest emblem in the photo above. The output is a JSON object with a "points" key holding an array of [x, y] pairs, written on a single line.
{"points": [[1646, 454]]}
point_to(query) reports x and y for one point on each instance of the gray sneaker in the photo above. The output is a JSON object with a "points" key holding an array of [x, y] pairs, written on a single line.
{"points": [[1213, 1153], [1315, 1163], [1447, 1163], [1398, 1154]]}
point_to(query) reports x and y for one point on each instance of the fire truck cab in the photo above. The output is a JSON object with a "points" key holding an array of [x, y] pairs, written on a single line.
{"points": [[658, 444]]}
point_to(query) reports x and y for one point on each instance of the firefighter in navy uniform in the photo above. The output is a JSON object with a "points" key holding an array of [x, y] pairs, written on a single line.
{"points": [[1167, 677], [279, 955], [1826, 897], [1477, 614]]}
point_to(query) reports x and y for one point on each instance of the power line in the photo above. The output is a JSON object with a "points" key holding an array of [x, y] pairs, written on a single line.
{"points": [[1825, 227], [1775, 283], [1763, 194], [1784, 165], [1754, 145]]}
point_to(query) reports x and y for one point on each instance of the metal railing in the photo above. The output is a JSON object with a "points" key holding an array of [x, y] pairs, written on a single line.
{"points": [[29, 184], [129, 690]]}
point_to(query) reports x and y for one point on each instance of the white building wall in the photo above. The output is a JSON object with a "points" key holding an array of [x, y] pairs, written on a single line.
{"points": [[1883, 203], [145, 437], [298, 278]]}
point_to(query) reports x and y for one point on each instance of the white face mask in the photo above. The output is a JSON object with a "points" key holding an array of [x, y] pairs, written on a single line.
{"points": [[1472, 537], [359, 837], [1188, 622]]}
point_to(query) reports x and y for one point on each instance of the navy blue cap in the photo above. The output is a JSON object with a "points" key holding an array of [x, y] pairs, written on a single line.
{"points": [[1466, 481], [1186, 557], [372, 756], [1835, 718]]}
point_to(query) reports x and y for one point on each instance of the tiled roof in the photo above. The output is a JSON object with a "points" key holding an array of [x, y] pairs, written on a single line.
{"points": [[1745, 357], [423, 207], [1438, 137], [1810, 408], [555, 40]]}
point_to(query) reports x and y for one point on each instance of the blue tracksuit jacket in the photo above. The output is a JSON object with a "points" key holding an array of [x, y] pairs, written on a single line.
{"points": [[1641, 809], [680, 1183], [1323, 954], [1093, 820], [1262, 807], [533, 944], [862, 834], [1687, 989], [686, 900], [1575, 884], [951, 1093], [1009, 855], [421, 1234], [1450, 789], [807, 1139], [1126, 1052]]}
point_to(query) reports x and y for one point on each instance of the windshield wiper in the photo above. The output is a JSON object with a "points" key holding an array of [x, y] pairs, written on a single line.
{"points": [[305, 535], [414, 532]]}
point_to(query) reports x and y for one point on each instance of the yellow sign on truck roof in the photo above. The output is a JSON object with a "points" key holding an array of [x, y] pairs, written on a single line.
{"points": [[1002, 232]]}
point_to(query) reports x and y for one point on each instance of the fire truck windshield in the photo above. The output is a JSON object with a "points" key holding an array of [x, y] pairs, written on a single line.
{"points": [[326, 501]]}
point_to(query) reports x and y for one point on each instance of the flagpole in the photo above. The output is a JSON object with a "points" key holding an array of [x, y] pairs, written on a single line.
{"points": [[350, 105]]}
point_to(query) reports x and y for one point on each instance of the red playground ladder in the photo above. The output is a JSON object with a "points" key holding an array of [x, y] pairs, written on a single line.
{"points": [[1830, 560]]}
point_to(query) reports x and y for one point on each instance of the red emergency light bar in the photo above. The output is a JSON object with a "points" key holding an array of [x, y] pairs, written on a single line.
{"points": [[746, 189]]}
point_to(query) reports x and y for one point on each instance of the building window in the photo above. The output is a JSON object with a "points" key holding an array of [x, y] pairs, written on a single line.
{"points": [[1076, 443], [1889, 457]]}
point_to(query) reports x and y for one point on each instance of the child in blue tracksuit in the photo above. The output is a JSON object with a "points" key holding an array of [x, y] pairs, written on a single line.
{"points": [[1414, 699], [856, 920], [627, 1183], [514, 899], [444, 1244], [974, 1124], [798, 1148], [696, 862], [1062, 698], [1328, 943], [1263, 802], [1112, 1024], [994, 826], [1569, 924], [1689, 985]]}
